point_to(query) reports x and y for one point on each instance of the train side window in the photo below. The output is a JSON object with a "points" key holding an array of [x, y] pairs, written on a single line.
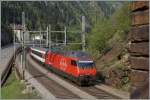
{"points": [[37, 53], [73, 62]]}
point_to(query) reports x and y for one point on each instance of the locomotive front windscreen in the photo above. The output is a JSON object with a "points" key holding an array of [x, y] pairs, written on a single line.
{"points": [[86, 64]]}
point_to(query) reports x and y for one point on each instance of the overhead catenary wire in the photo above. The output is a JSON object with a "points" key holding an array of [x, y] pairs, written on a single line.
{"points": [[48, 33]]}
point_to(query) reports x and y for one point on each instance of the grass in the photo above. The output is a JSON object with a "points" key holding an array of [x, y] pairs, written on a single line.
{"points": [[13, 89]]}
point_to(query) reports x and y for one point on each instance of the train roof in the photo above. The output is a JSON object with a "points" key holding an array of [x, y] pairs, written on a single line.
{"points": [[41, 49], [74, 54]]}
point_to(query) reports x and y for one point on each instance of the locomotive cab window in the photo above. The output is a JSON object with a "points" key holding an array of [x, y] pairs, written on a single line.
{"points": [[73, 62], [84, 65]]}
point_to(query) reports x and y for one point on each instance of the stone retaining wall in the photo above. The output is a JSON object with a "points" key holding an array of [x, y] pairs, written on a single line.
{"points": [[139, 50]]}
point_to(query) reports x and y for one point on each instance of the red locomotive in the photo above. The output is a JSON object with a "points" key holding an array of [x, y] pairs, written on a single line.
{"points": [[75, 65]]}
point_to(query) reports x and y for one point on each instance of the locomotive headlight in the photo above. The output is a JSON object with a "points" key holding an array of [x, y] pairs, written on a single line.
{"points": [[81, 77]]}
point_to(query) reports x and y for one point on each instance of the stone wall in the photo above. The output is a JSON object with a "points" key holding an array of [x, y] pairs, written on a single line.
{"points": [[139, 50]]}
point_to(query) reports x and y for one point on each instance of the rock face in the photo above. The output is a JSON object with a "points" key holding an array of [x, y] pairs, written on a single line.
{"points": [[139, 50], [114, 67], [117, 77]]}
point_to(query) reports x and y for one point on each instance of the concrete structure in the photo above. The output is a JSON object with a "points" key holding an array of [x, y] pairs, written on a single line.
{"points": [[6, 62], [6, 55], [139, 50], [17, 30]]}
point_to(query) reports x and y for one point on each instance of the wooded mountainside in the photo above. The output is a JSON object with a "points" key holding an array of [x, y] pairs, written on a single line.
{"points": [[107, 27], [58, 14], [40, 13]]}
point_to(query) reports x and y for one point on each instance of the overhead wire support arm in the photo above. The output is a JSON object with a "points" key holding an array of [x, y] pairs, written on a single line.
{"points": [[64, 43], [36, 31], [57, 31], [74, 31]]}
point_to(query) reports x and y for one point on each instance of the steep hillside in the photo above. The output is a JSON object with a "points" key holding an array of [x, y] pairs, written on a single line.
{"points": [[41, 13], [114, 67], [63, 13], [108, 44]]}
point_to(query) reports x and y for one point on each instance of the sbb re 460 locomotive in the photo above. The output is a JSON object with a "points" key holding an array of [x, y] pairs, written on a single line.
{"points": [[74, 65]]}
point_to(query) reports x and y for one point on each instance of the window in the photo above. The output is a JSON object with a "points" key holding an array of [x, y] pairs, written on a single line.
{"points": [[37, 53], [86, 65], [73, 62]]}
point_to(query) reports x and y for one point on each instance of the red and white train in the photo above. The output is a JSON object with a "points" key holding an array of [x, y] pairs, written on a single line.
{"points": [[74, 65]]}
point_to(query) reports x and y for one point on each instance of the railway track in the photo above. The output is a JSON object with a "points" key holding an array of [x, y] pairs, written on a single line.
{"points": [[100, 94], [94, 91], [58, 89]]}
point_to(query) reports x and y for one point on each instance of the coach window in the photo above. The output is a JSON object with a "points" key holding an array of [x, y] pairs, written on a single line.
{"points": [[37, 53], [73, 62]]}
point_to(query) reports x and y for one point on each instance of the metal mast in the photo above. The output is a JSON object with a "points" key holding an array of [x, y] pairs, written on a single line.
{"points": [[23, 45], [83, 33]]}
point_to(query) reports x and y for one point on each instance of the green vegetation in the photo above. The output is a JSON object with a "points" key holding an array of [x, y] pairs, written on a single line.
{"points": [[40, 14], [108, 31], [13, 89], [58, 14]]}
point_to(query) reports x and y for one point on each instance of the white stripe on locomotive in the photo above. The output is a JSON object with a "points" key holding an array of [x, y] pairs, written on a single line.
{"points": [[85, 61]]}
